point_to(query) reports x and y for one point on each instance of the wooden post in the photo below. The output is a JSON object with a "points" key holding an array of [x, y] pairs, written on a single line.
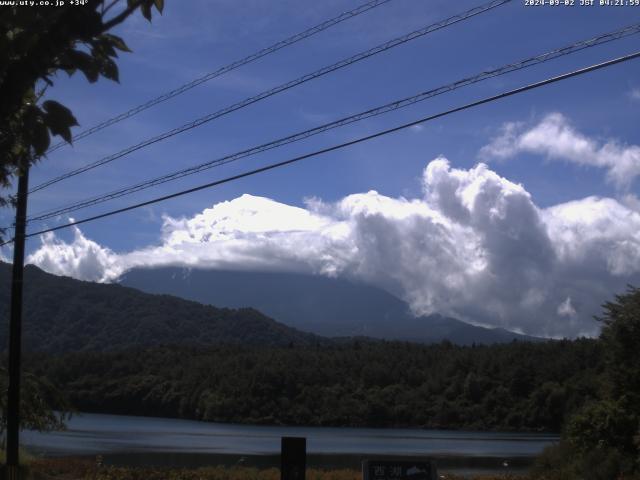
{"points": [[12, 470], [293, 458]]}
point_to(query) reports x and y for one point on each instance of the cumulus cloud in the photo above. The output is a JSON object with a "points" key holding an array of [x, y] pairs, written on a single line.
{"points": [[632, 201], [83, 259], [556, 138], [251, 233], [474, 246]]}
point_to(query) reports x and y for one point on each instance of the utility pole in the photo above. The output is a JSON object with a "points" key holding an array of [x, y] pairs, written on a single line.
{"points": [[12, 469]]}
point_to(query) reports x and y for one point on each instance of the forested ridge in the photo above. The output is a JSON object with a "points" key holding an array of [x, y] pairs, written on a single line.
{"points": [[62, 314], [517, 386]]}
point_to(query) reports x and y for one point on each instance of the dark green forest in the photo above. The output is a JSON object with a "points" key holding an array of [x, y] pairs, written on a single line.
{"points": [[517, 386]]}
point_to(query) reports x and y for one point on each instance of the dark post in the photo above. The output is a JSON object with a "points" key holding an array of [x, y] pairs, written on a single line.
{"points": [[293, 458], [15, 331]]}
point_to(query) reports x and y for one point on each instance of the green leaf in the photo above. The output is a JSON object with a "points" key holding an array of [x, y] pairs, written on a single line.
{"points": [[145, 8], [117, 42], [104, 46], [109, 70], [59, 111], [159, 5], [86, 63], [59, 119]]}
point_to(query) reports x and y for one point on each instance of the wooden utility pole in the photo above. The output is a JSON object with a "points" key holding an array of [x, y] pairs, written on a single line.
{"points": [[12, 470]]}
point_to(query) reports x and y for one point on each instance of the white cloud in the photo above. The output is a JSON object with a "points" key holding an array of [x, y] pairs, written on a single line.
{"points": [[635, 93], [631, 201], [555, 138], [565, 309], [250, 233], [83, 258], [474, 246]]}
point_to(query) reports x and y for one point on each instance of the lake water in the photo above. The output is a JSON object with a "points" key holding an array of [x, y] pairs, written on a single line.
{"points": [[146, 440]]}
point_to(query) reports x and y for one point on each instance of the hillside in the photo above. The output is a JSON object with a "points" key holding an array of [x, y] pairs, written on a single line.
{"points": [[332, 307], [66, 315]]}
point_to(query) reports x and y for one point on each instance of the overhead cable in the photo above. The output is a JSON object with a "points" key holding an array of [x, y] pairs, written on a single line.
{"points": [[365, 7], [281, 88], [395, 105], [291, 161]]}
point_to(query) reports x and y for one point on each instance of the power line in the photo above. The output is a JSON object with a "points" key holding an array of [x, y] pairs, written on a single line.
{"points": [[365, 7], [531, 61], [290, 161], [286, 86]]}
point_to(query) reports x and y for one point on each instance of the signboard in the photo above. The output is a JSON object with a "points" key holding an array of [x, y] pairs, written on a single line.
{"points": [[398, 470]]}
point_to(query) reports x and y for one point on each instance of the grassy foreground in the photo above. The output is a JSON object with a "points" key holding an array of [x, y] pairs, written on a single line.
{"points": [[84, 469]]}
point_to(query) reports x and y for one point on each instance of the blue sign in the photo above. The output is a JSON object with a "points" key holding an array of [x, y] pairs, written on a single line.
{"points": [[398, 470]]}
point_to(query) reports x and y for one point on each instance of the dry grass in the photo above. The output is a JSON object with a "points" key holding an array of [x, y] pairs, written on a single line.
{"points": [[84, 469]]}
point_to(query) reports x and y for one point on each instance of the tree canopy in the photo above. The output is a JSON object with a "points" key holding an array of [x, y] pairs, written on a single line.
{"points": [[43, 406], [601, 440], [517, 386], [37, 43]]}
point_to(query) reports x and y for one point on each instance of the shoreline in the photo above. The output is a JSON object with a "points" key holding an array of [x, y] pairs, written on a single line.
{"points": [[152, 442]]}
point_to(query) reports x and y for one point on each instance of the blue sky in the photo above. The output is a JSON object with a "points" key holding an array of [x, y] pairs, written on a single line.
{"points": [[195, 37]]}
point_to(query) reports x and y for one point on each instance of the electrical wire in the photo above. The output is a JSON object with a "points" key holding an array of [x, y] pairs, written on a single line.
{"points": [[281, 88], [365, 7], [290, 161], [531, 61]]}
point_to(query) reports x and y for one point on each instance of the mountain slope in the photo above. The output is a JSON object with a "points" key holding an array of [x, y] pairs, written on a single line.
{"points": [[325, 306], [63, 315]]}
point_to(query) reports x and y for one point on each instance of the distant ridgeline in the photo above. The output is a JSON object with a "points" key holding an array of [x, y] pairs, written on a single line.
{"points": [[517, 386], [66, 315], [332, 307]]}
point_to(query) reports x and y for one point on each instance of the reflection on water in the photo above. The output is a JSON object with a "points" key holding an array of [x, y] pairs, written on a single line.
{"points": [[140, 440]]}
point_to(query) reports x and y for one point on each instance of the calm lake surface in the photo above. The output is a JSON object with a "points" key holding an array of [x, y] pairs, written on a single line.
{"points": [[146, 440]]}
